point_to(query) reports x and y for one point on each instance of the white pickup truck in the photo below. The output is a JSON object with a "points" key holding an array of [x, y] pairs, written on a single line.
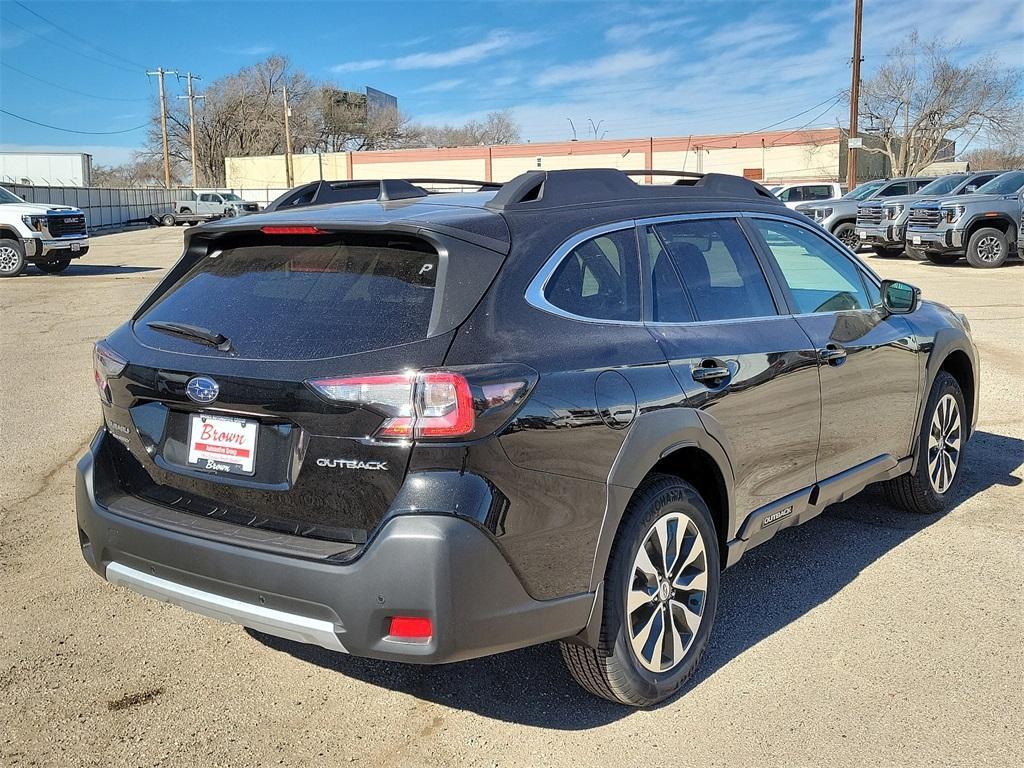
{"points": [[214, 205], [49, 236]]}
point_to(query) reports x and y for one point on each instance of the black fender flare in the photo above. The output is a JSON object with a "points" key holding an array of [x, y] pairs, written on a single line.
{"points": [[946, 342], [978, 219], [653, 436]]}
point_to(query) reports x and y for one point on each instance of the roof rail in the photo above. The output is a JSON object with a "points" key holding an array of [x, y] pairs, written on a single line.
{"points": [[383, 190], [549, 189]]}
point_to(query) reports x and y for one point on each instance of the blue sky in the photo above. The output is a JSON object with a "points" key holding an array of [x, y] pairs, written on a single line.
{"points": [[636, 69]]}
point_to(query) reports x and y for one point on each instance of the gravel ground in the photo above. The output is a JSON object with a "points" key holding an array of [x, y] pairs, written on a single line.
{"points": [[863, 637]]}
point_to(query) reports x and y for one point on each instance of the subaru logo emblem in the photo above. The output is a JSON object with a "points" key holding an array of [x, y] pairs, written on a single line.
{"points": [[202, 389]]}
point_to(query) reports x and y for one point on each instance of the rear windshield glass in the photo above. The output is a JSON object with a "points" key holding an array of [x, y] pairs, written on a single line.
{"points": [[300, 300]]}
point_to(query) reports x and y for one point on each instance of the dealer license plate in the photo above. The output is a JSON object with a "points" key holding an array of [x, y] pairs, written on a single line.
{"points": [[222, 444], [863, 235], [917, 239], [76, 247]]}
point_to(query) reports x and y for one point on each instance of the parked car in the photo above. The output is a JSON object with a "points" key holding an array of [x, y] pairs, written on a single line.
{"points": [[426, 428], [215, 205], [981, 226], [49, 236], [805, 192], [839, 216], [882, 222]]}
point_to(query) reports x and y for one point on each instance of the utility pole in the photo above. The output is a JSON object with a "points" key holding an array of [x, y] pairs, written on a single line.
{"points": [[851, 151], [287, 140], [160, 72], [192, 123]]}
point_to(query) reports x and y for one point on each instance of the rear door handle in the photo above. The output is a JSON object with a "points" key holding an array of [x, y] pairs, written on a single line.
{"points": [[710, 375], [832, 354]]}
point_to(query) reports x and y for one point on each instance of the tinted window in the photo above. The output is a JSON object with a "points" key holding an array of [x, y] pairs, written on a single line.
{"points": [[942, 185], [818, 192], [719, 271], [899, 188], [599, 279], [304, 300], [819, 276], [792, 195], [669, 301], [977, 182]]}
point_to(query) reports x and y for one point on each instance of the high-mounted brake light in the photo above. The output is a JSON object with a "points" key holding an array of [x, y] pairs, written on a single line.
{"points": [[434, 404], [106, 364], [281, 230]]}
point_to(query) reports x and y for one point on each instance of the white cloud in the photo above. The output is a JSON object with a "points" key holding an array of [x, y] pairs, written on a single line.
{"points": [[605, 68], [441, 86], [634, 32], [496, 41]]}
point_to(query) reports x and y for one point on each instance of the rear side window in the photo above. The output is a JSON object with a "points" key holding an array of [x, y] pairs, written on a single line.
{"points": [[818, 192], [900, 188], [599, 279], [297, 299], [718, 269]]}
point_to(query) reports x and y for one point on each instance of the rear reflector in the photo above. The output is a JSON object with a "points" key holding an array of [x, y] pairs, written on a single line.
{"points": [[292, 231], [411, 628]]}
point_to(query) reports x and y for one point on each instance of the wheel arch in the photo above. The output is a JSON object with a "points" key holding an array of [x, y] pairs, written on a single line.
{"points": [[9, 233], [1002, 222], [952, 353]]}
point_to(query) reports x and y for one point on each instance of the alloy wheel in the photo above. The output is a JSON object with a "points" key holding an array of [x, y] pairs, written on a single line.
{"points": [[9, 259], [667, 592], [990, 248], [944, 444]]}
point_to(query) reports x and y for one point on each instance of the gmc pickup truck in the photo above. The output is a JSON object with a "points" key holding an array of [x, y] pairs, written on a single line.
{"points": [[215, 205], [49, 236], [882, 223], [982, 226]]}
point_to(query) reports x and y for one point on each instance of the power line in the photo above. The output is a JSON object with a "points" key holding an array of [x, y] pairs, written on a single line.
{"points": [[72, 35], [67, 50], [64, 87], [72, 130]]}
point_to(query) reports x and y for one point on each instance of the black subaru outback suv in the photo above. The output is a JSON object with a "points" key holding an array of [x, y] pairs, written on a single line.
{"points": [[428, 427]]}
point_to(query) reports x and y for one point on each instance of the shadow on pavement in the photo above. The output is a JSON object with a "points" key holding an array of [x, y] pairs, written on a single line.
{"points": [[770, 587], [88, 270]]}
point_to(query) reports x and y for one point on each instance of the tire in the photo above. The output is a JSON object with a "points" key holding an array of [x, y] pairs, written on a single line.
{"points": [[847, 234], [185, 211], [168, 220], [943, 259], [915, 253], [53, 267], [12, 258], [988, 248], [927, 489], [888, 253], [614, 670]]}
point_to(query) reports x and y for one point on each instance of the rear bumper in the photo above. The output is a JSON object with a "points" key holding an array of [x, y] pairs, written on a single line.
{"points": [[434, 565]]}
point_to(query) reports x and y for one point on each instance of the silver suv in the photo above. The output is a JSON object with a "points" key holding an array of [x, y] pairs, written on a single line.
{"points": [[839, 216], [882, 222], [982, 226]]}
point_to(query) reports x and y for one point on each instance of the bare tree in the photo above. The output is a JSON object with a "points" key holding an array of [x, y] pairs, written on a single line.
{"points": [[920, 100], [1001, 147], [143, 170], [497, 128]]}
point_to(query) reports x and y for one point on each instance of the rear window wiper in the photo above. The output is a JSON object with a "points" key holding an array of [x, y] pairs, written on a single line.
{"points": [[193, 332]]}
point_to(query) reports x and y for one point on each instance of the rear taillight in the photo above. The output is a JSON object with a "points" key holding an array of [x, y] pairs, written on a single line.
{"points": [[436, 404], [107, 364]]}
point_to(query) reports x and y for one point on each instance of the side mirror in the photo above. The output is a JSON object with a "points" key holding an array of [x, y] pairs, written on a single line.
{"points": [[970, 188], [899, 298]]}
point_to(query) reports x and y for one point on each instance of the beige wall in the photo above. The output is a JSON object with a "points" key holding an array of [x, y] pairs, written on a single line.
{"points": [[785, 156]]}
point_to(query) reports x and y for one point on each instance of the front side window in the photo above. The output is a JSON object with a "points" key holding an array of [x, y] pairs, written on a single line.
{"points": [[819, 276], [718, 269], [599, 279], [792, 195], [899, 188], [818, 192]]}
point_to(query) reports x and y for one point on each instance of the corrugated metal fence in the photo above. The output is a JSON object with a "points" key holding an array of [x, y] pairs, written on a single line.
{"points": [[104, 208], [111, 208]]}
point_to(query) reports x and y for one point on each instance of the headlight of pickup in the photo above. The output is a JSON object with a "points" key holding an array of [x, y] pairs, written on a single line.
{"points": [[35, 223], [894, 211], [952, 213], [820, 214]]}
